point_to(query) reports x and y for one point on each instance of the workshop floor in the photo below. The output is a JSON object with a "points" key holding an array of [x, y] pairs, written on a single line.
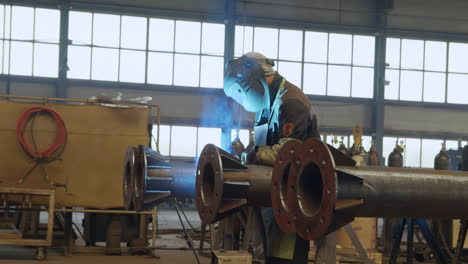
{"points": [[174, 248]]}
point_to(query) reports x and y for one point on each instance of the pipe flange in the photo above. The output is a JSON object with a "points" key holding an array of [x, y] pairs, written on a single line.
{"points": [[209, 184], [316, 189], [141, 172], [283, 194], [129, 176]]}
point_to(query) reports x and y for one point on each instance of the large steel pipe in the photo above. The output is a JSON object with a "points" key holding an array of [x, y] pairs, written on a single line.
{"points": [[329, 196], [154, 178], [224, 184]]}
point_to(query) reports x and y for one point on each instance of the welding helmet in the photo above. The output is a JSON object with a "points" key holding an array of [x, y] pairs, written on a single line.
{"points": [[245, 82]]}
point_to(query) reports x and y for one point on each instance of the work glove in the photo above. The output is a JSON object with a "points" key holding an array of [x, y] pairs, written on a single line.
{"points": [[266, 155]]}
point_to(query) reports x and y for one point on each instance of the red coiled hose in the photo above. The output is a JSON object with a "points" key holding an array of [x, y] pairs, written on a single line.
{"points": [[59, 140]]}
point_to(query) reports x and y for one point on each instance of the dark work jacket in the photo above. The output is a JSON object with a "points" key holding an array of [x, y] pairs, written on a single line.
{"points": [[290, 115]]}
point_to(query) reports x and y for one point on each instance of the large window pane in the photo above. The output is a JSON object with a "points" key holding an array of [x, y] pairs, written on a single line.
{"points": [[411, 86], [457, 88], [22, 23], [315, 79], [392, 56], [412, 54], [6, 57], [436, 56], [434, 87], [133, 32], [160, 68], [340, 48], [47, 25], [266, 42], [132, 66], [164, 138], [183, 141], [186, 70], [211, 72], [412, 154], [244, 40], [291, 71], [339, 80], [21, 54], [213, 39], [363, 50], [105, 64], [161, 34], [316, 47], [208, 135], [106, 30], [187, 38], [363, 82], [392, 83], [2, 12], [458, 56], [290, 45], [430, 148], [79, 28], [7, 26], [79, 62], [1, 58], [46, 60], [451, 144]]}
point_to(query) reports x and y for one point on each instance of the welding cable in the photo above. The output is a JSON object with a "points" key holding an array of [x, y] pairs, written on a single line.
{"points": [[187, 237], [59, 140]]}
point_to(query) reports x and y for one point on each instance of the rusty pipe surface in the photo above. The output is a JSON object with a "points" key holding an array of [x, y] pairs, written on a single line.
{"points": [[330, 196], [150, 177], [224, 184]]}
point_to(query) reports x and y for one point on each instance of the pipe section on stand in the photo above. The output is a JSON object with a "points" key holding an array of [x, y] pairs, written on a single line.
{"points": [[328, 196], [150, 177]]}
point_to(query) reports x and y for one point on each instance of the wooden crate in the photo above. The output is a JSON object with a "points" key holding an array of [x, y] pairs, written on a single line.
{"points": [[365, 229], [347, 255], [455, 230]]}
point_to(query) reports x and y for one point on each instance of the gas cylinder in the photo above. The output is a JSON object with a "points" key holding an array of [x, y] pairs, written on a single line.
{"points": [[441, 160], [236, 146], [395, 159], [373, 156]]}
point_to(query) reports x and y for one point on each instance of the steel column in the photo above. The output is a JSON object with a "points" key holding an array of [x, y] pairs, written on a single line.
{"points": [[61, 85]]}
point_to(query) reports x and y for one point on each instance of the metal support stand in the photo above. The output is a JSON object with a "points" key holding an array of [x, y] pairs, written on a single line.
{"points": [[398, 230], [68, 233], [460, 241]]}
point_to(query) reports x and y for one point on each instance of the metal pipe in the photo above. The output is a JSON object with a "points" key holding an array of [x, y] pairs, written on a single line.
{"points": [[330, 196], [153, 178], [397, 192], [224, 184]]}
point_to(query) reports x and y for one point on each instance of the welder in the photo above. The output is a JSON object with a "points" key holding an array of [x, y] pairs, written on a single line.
{"points": [[283, 113]]}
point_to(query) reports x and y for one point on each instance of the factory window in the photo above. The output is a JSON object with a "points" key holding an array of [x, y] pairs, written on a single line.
{"points": [[430, 148], [184, 141], [208, 135], [140, 49], [320, 63], [420, 70], [29, 41]]}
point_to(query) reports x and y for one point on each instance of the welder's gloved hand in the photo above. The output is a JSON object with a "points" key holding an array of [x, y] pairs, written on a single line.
{"points": [[249, 156], [267, 155]]}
